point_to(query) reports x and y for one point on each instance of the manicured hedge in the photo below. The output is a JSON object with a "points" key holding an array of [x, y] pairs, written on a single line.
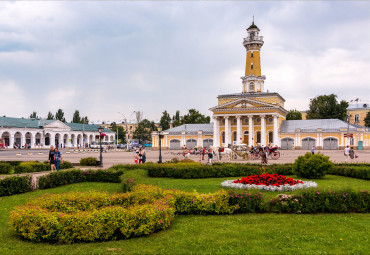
{"points": [[197, 170], [66, 177], [90, 161], [15, 185], [28, 167], [6, 168], [359, 172]]}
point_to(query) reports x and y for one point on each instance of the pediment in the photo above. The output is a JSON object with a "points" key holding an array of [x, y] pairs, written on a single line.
{"points": [[57, 125], [243, 103]]}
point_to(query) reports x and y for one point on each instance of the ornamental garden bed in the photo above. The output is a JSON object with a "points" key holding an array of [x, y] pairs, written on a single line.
{"points": [[269, 182]]}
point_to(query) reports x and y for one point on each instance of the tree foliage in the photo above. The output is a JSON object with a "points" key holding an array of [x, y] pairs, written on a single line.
{"points": [[144, 129], [195, 117], [121, 131], [34, 115], [327, 107], [59, 115], [165, 120], [176, 119], [84, 120], [78, 119], [294, 115], [50, 116], [367, 119]]}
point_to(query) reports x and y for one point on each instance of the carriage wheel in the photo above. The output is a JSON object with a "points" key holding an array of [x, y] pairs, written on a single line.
{"points": [[246, 156], [275, 155], [256, 155]]}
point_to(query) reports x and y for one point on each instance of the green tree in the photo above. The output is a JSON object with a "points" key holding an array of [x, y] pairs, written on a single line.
{"points": [[194, 117], [176, 119], [121, 131], [34, 115], [50, 116], [76, 117], [165, 120], [327, 107], [59, 115], [294, 115], [367, 119], [84, 120], [144, 129]]}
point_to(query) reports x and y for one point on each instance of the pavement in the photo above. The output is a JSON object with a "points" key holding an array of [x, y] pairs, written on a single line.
{"points": [[121, 157]]}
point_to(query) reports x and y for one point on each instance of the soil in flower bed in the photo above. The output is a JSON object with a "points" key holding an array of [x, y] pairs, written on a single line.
{"points": [[268, 180]]}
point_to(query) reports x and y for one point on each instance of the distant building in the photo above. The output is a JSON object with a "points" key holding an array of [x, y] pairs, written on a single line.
{"points": [[44, 133], [257, 117]]}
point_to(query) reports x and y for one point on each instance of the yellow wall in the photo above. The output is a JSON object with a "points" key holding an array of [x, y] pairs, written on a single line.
{"points": [[361, 112], [256, 63]]}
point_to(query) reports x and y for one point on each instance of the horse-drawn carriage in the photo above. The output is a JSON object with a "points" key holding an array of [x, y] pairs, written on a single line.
{"points": [[243, 151]]}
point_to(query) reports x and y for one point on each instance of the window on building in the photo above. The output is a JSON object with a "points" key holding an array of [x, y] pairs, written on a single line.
{"points": [[270, 120], [258, 137], [252, 66], [234, 136], [357, 118], [251, 86], [252, 54], [234, 121], [271, 137], [352, 141], [223, 137], [258, 120]]}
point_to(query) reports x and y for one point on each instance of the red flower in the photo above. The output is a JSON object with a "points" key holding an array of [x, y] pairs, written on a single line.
{"points": [[268, 180]]}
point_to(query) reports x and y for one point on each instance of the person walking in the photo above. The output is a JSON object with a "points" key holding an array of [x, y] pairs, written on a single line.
{"points": [[58, 158], [143, 155], [263, 157], [313, 150], [210, 156], [346, 152], [352, 154], [52, 158]]}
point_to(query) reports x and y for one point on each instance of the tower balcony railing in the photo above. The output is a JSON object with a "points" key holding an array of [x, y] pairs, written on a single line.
{"points": [[253, 39]]}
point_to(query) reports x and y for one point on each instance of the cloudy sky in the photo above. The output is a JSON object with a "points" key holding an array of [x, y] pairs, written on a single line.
{"points": [[108, 57]]}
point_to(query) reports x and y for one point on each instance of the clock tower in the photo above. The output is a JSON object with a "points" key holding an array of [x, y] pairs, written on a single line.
{"points": [[253, 81]]}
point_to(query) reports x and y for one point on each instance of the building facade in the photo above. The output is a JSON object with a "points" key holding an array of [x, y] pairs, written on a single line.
{"points": [[44, 133], [255, 116]]}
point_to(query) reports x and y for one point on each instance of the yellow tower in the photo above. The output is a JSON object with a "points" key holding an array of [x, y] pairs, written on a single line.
{"points": [[253, 81]]}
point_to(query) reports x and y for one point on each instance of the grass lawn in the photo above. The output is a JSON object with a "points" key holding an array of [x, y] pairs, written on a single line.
{"points": [[226, 234]]}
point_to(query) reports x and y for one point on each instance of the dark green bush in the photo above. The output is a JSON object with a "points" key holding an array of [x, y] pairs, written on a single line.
{"points": [[90, 161], [6, 168], [316, 201], [12, 163], [66, 165], [15, 185], [60, 178], [312, 166], [360, 172]]}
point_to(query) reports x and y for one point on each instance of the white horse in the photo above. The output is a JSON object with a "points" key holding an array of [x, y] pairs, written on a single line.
{"points": [[226, 151]]}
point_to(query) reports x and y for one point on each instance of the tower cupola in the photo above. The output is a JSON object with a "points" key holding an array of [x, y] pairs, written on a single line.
{"points": [[253, 81]]}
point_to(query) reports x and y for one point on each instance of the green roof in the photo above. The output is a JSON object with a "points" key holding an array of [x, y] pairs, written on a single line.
{"points": [[36, 123], [253, 26]]}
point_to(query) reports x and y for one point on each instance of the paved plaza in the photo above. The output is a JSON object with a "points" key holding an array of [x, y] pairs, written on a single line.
{"points": [[120, 157]]}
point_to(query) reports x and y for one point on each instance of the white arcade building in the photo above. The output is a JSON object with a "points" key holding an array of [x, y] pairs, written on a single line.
{"points": [[44, 133]]}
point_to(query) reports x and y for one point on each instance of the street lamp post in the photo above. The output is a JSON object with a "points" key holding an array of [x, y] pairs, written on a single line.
{"points": [[160, 144], [100, 129]]}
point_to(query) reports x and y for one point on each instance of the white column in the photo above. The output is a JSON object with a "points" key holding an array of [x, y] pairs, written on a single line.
{"points": [[238, 129], [74, 142], [251, 130], [216, 132], [52, 139], [11, 140], [33, 140], [263, 130], [227, 131], [276, 131], [23, 139]]}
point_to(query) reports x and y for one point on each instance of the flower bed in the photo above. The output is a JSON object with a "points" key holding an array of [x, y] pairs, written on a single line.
{"points": [[270, 182]]}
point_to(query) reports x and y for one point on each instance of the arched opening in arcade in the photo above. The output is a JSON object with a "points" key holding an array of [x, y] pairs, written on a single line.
{"points": [[57, 140], [47, 139], [6, 138], [38, 138], [18, 139]]}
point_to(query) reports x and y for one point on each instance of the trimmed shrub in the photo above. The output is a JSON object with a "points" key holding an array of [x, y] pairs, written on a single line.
{"points": [[246, 201], [61, 178], [316, 201], [12, 163], [89, 217], [360, 172], [312, 166], [6, 168], [66, 165], [90, 161], [15, 185]]}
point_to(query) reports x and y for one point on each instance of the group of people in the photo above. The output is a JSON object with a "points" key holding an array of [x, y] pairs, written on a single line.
{"points": [[263, 151], [140, 156], [55, 158], [350, 152], [202, 152]]}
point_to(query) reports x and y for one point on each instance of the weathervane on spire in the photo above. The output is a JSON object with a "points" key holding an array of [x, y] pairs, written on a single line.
{"points": [[253, 19]]}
